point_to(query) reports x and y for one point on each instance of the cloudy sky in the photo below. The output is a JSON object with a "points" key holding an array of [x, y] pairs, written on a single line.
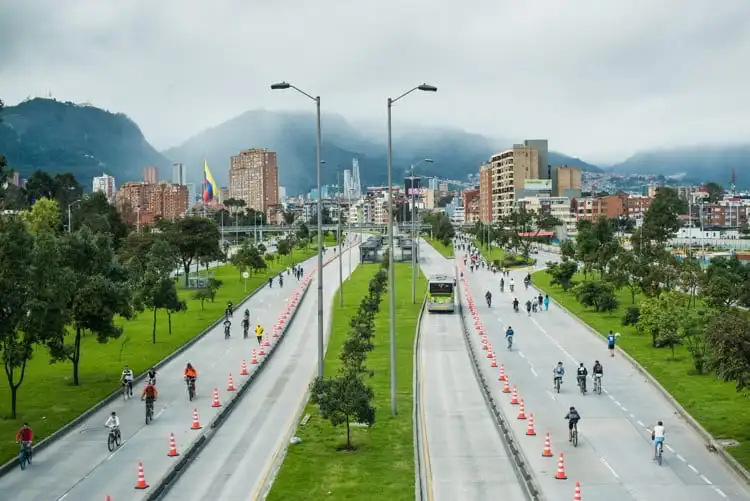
{"points": [[600, 79]]}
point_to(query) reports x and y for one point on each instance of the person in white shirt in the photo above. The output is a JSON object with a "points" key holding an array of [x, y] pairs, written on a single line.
{"points": [[113, 423], [127, 379], [658, 436]]}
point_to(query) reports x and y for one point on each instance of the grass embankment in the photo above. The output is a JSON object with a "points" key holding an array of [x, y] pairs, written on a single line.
{"points": [[713, 403], [47, 400], [500, 254], [382, 467], [445, 250]]}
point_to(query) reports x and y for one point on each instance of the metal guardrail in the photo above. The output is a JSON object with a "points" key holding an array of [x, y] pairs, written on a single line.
{"points": [[423, 470]]}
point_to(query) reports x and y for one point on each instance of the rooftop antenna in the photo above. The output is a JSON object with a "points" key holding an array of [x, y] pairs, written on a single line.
{"points": [[733, 183]]}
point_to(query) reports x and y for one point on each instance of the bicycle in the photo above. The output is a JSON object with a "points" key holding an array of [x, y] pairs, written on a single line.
{"points": [[226, 332], [659, 452], [245, 329], [113, 439], [510, 342], [127, 389], [191, 388], [558, 382], [582, 385], [574, 435], [149, 411], [598, 384], [24, 456]]}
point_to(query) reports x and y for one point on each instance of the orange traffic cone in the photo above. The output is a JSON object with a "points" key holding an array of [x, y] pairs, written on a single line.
{"points": [[502, 374], [254, 360], [108, 498], [494, 362], [141, 482], [243, 369], [489, 351], [266, 342], [560, 475], [514, 397], [506, 386], [196, 421], [577, 496], [216, 402], [230, 383], [276, 332], [530, 431], [521, 411], [484, 343], [547, 452], [261, 351], [172, 446]]}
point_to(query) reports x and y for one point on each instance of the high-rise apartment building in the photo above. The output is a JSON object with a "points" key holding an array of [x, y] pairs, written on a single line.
{"points": [[485, 193], [471, 202], [105, 184], [509, 171], [143, 203], [566, 181], [179, 174], [150, 175], [254, 178], [542, 148]]}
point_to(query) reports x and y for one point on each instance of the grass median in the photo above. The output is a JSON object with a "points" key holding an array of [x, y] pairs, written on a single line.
{"points": [[713, 403], [47, 400], [382, 467], [445, 250]]}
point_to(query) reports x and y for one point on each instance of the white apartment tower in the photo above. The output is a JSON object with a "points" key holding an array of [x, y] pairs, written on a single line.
{"points": [[105, 184]]}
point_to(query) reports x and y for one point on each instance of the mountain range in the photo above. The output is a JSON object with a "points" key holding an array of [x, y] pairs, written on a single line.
{"points": [[65, 137]]}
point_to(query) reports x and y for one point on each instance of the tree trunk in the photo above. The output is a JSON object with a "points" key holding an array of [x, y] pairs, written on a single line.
{"points": [[153, 332], [169, 319], [186, 269], [76, 358], [348, 434]]}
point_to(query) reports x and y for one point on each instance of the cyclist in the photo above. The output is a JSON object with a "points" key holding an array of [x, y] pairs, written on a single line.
{"points": [[246, 315], [127, 379], [528, 307], [515, 304], [558, 372], [598, 371], [281, 280], [512, 283], [259, 333], [113, 423], [573, 417], [25, 436], [245, 326], [190, 374], [227, 328], [502, 285], [509, 334], [658, 436], [488, 297], [581, 374], [229, 311], [152, 375], [150, 394], [270, 282]]}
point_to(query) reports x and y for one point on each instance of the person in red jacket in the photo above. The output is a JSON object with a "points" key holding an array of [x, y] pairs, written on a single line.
{"points": [[25, 435]]}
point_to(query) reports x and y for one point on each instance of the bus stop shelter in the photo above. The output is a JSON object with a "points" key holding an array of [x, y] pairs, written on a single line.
{"points": [[368, 252]]}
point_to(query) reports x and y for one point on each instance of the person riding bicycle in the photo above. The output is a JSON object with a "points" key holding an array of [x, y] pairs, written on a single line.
{"points": [[281, 280], [230, 310], [558, 372], [227, 327], [573, 417], [270, 281], [488, 297], [581, 374], [190, 374], [598, 371], [246, 315], [259, 333], [509, 334], [127, 379], [658, 435], [151, 375], [515, 304], [512, 283], [502, 285], [25, 436], [113, 423], [528, 307], [150, 394], [245, 325]]}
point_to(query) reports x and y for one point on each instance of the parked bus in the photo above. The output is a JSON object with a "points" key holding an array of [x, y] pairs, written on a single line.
{"points": [[441, 293]]}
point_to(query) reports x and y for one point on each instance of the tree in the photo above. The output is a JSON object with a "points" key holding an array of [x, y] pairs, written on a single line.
{"points": [[284, 247], [442, 228], [661, 220], [596, 294], [728, 336], [726, 283], [715, 192], [202, 295], [343, 399], [33, 293], [156, 288], [303, 233], [261, 248], [690, 277], [44, 215], [241, 259], [526, 225], [568, 249], [100, 216], [195, 239], [624, 272], [99, 290], [661, 318], [562, 273], [289, 217]]}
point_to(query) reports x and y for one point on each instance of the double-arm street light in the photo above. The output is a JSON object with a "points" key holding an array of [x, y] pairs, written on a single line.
{"points": [[391, 274], [415, 239], [70, 214], [285, 86]]}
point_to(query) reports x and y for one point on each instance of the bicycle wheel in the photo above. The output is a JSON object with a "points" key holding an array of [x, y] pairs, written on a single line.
{"points": [[658, 456], [599, 387], [22, 460], [557, 385], [149, 414], [111, 442], [575, 437]]}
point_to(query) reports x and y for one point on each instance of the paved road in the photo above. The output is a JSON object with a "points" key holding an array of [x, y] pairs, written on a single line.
{"points": [[613, 460], [239, 459], [467, 457], [79, 467]]}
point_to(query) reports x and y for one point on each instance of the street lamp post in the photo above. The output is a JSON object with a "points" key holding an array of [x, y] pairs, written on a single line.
{"points": [[391, 273], [415, 239], [341, 249], [70, 214], [285, 86]]}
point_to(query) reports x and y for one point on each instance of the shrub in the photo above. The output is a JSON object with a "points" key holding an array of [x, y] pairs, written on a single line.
{"points": [[632, 315]]}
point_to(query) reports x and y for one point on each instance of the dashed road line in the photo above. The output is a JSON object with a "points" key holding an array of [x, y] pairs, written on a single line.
{"points": [[703, 477], [609, 467], [693, 469], [721, 493]]}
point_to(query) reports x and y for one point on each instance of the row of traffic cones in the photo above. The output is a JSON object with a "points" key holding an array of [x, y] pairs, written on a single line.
{"points": [[515, 399]]}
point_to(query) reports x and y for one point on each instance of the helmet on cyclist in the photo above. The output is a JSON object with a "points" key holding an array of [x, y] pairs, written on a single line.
{"points": [[660, 423], [596, 362], [114, 413], [572, 408], [581, 364]]}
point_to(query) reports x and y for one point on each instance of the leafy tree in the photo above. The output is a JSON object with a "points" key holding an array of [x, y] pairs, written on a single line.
{"points": [[241, 259], [96, 213], [530, 224], [195, 239], [568, 249], [261, 248], [693, 333], [661, 318], [632, 315], [690, 276], [203, 295], [728, 336], [173, 304], [715, 192], [726, 283], [442, 228], [213, 285], [596, 294], [289, 217], [134, 251], [44, 215], [562, 273], [624, 272], [156, 288], [661, 221], [303, 233], [99, 291], [284, 247]]}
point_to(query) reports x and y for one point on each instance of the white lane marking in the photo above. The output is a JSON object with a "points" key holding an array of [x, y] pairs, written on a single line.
{"points": [[551, 395], [641, 423], [703, 477], [612, 398], [720, 492], [694, 469], [160, 413], [66, 495], [632, 416], [534, 372], [679, 456], [609, 467], [520, 354], [554, 341], [668, 448]]}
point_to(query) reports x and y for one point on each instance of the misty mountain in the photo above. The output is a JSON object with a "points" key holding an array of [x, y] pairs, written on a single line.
{"points": [[291, 135], [55, 136], [697, 164]]}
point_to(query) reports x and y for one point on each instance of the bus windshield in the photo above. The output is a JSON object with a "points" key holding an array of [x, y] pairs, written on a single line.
{"points": [[438, 288]]}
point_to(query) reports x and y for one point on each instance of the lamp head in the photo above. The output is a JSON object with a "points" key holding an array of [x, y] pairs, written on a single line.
{"points": [[427, 88], [280, 86]]}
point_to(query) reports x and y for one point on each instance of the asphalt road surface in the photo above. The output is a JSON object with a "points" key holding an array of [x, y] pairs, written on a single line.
{"points": [[78, 467], [242, 456], [467, 457], [613, 460]]}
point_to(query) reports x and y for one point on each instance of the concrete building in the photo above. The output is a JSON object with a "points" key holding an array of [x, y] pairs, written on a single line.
{"points": [[142, 203], [223, 195], [150, 175], [471, 204], [509, 171], [612, 206], [485, 193], [542, 148], [428, 199], [179, 173], [557, 207], [105, 184], [566, 181], [254, 178]]}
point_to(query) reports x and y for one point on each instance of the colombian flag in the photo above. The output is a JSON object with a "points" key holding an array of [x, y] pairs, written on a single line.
{"points": [[209, 184]]}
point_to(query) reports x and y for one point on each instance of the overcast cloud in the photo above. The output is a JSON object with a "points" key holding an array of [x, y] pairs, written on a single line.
{"points": [[599, 78]]}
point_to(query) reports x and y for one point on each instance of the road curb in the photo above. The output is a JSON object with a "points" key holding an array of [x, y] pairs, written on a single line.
{"points": [[11, 464], [742, 473], [422, 472]]}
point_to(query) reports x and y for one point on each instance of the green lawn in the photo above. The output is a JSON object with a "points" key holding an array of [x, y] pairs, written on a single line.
{"points": [[714, 404], [47, 399], [383, 465], [445, 250]]}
